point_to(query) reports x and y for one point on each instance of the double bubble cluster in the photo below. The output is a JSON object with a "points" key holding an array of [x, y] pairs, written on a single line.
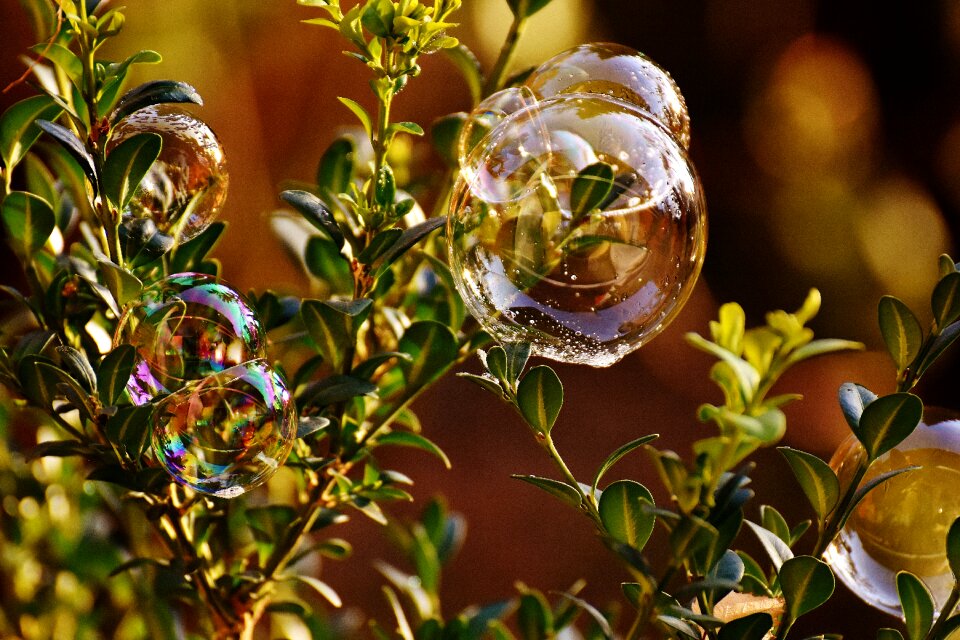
{"points": [[225, 420], [578, 222]]}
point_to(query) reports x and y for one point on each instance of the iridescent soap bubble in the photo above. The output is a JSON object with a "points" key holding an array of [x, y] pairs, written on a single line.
{"points": [[184, 328], [227, 433], [580, 286], [901, 525], [185, 188], [490, 113], [619, 72]]}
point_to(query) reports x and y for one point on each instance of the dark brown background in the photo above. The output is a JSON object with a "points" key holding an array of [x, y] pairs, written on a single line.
{"points": [[827, 135]]}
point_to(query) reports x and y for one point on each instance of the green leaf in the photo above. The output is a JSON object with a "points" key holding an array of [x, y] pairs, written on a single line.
{"points": [[534, 617], [18, 130], [336, 168], [308, 425], [333, 325], [901, 331], [590, 188], [887, 421], [622, 513], [325, 590], [334, 389], [28, 220], [73, 146], [407, 127], [124, 286], [432, 348], [853, 400], [131, 427], [126, 165], [361, 114], [316, 213], [946, 300], [556, 488], [407, 439], [615, 457], [407, 240], [774, 522], [953, 548], [66, 60], [690, 536], [752, 627], [940, 344], [602, 623], [193, 252], [151, 93], [821, 347], [917, 605], [526, 8], [807, 583], [378, 17], [78, 366], [470, 68], [379, 245], [271, 520], [485, 382], [540, 397], [816, 478], [386, 187], [59, 449], [776, 548], [324, 261], [889, 634], [445, 136]]}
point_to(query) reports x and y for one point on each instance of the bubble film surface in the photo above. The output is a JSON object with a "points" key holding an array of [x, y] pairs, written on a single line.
{"points": [[581, 286], [490, 113], [619, 72], [184, 328], [902, 525], [227, 433], [186, 187]]}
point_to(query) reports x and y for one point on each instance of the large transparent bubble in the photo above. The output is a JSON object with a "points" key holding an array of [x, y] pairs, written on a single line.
{"points": [[227, 433], [488, 114], [186, 327], [581, 285], [186, 187], [619, 72], [902, 525]]}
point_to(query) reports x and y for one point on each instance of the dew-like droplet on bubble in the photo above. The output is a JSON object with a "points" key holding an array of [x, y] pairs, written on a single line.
{"points": [[580, 286], [902, 524], [619, 72], [184, 328], [227, 433], [488, 114], [186, 186]]}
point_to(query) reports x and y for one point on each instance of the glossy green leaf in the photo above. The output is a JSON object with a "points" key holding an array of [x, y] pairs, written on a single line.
{"points": [[518, 353], [445, 136], [126, 165], [18, 130], [816, 478], [774, 522], [615, 457], [124, 286], [889, 634], [336, 168], [73, 146], [131, 427], [556, 488], [534, 617], [946, 300], [193, 252], [385, 190], [432, 348], [622, 513], [407, 240], [379, 244], [540, 397], [495, 362], [316, 213], [940, 344], [917, 605], [324, 261], [887, 421], [322, 588], [776, 549], [66, 60], [901, 331], [752, 627], [377, 18], [334, 389], [151, 93], [807, 583], [78, 366], [361, 114], [28, 221], [590, 188], [414, 440], [853, 400], [333, 325]]}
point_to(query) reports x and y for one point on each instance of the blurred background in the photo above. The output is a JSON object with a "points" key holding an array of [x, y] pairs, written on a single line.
{"points": [[827, 135]]}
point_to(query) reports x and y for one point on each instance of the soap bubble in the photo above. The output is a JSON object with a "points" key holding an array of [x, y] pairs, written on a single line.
{"points": [[227, 433], [488, 114], [581, 286], [185, 188], [186, 327], [901, 525], [619, 72]]}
